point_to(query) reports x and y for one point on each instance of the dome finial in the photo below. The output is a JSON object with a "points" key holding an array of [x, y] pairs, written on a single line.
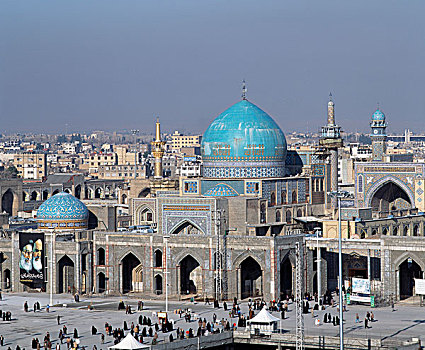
{"points": [[377, 104], [330, 96], [244, 90]]}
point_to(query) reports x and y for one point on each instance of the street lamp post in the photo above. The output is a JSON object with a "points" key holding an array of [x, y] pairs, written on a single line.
{"points": [[51, 268], [319, 269], [339, 195], [166, 272]]}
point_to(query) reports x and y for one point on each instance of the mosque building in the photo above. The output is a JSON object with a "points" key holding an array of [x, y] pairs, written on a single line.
{"points": [[232, 231]]}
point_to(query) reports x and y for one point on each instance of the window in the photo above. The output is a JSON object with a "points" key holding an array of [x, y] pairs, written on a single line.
{"points": [[101, 256], [294, 196], [360, 183], [283, 197], [395, 231], [288, 217], [278, 216], [273, 199], [158, 258]]}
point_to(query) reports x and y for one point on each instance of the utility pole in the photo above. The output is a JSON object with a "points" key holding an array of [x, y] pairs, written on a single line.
{"points": [[135, 132], [299, 300]]}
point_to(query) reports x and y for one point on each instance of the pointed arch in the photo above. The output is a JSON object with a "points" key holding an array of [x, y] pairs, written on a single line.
{"points": [[191, 275], [65, 267], [141, 214], [177, 228], [407, 255], [128, 264], [384, 181], [246, 254], [251, 278]]}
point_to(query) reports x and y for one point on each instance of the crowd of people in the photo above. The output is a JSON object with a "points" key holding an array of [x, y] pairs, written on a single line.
{"points": [[146, 330]]}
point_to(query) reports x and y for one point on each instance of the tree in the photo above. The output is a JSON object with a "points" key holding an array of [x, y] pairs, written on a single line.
{"points": [[11, 172]]}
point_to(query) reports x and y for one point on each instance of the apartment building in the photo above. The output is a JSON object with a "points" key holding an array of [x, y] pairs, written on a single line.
{"points": [[31, 165], [179, 140]]}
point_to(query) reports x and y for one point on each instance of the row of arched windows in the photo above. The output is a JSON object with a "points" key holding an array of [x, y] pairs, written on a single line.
{"points": [[288, 215], [101, 257], [283, 198], [396, 230]]}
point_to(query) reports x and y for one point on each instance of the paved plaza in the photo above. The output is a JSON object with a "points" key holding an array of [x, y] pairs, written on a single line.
{"points": [[403, 323]]}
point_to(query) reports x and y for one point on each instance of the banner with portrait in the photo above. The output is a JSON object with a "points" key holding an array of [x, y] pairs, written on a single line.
{"points": [[31, 259]]}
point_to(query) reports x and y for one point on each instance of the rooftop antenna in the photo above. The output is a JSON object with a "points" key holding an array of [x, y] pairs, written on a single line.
{"points": [[244, 90]]}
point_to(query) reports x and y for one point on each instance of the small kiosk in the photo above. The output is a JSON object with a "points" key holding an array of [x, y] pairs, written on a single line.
{"points": [[264, 323]]}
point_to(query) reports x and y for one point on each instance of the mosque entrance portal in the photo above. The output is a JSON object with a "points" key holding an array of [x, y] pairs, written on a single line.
{"points": [[128, 264], [408, 271], [66, 275], [101, 282], [190, 276], [390, 197], [7, 202], [251, 279], [285, 278]]}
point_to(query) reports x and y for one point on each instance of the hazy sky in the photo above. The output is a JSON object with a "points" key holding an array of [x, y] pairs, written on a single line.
{"points": [[115, 65]]}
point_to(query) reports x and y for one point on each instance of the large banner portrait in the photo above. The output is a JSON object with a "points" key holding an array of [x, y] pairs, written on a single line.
{"points": [[31, 258]]}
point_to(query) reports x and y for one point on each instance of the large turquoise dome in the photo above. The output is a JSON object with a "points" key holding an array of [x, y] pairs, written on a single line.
{"points": [[243, 142], [62, 211]]}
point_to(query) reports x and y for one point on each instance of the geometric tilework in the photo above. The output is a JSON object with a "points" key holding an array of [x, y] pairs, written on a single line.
{"points": [[173, 216], [62, 210], [221, 190], [229, 172], [252, 187], [243, 142], [190, 187]]}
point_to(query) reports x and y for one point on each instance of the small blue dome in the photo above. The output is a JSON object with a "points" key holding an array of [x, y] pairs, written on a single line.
{"points": [[378, 115], [243, 141], [221, 190], [62, 211]]}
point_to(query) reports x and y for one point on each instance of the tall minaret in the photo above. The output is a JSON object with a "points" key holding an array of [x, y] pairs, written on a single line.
{"points": [[378, 136], [158, 150], [331, 140]]}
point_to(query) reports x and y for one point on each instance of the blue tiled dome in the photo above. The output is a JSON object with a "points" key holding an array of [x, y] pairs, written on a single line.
{"points": [[243, 141], [62, 211], [221, 190], [378, 115]]}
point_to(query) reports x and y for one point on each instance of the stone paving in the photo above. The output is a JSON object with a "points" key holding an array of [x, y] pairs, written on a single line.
{"points": [[403, 323]]}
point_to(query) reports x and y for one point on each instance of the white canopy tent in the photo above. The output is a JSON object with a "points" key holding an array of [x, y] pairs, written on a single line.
{"points": [[129, 343], [263, 323]]}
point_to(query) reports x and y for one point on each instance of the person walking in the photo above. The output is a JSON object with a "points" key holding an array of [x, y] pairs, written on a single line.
{"points": [[59, 319], [357, 318]]}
